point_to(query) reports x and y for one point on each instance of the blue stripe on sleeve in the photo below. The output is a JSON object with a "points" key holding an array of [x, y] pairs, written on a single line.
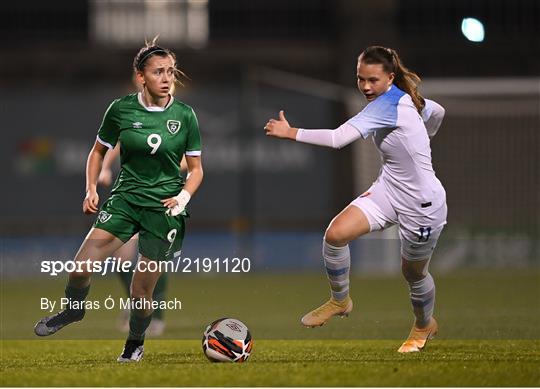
{"points": [[380, 113]]}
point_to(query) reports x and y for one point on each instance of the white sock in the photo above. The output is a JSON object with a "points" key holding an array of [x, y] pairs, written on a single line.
{"points": [[337, 261], [423, 299]]}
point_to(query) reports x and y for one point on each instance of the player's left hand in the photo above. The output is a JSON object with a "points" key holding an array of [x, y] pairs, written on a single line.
{"points": [[176, 204], [170, 202], [174, 208]]}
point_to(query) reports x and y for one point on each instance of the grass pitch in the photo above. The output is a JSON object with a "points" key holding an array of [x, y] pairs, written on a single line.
{"points": [[274, 363], [489, 335]]}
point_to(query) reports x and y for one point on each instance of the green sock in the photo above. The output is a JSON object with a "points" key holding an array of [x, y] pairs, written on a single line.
{"points": [[138, 326], [159, 295], [76, 294]]}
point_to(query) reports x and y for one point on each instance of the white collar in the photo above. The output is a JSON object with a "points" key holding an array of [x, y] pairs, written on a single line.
{"points": [[154, 109]]}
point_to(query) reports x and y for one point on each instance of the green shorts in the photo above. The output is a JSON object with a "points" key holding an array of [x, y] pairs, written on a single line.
{"points": [[160, 236]]}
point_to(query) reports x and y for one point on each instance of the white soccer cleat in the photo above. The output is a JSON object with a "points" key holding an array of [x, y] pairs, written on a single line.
{"points": [[321, 315], [418, 337], [133, 351]]}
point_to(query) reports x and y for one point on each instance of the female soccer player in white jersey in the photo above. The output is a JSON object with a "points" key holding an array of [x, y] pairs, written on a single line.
{"points": [[149, 196], [406, 193]]}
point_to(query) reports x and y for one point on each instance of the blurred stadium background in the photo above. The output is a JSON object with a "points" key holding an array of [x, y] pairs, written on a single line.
{"points": [[63, 62]]}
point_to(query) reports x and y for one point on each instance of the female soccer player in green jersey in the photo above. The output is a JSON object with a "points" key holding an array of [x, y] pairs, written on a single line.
{"points": [[128, 252], [149, 196]]}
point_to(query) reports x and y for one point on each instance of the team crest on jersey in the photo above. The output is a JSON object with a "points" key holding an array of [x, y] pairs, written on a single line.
{"points": [[104, 217], [173, 126]]}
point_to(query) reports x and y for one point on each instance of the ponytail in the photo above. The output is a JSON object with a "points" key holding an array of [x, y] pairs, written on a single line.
{"points": [[404, 79]]}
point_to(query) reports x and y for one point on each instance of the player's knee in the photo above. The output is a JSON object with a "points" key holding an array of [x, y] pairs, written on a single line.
{"points": [[336, 235], [412, 272], [141, 306]]}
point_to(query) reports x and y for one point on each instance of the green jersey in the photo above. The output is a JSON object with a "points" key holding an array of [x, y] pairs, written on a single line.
{"points": [[152, 143]]}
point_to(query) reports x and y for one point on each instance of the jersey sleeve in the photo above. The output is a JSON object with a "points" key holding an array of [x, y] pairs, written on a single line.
{"points": [[432, 115], [379, 114], [338, 138], [193, 144], [109, 131]]}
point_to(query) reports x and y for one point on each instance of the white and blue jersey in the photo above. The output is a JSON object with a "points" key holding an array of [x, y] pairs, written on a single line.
{"points": [[400, 135], [407, 192]]}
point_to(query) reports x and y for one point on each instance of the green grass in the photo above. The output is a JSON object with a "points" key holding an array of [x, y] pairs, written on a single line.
{"points": [[274, 363], [489, 334]]}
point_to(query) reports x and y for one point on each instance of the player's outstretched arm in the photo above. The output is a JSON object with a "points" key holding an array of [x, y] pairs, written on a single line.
{"points": [[338, 138], [93, 167]]}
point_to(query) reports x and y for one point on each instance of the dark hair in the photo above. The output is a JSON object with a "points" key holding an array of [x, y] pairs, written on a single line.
{"points": [[404, 79], [151, 49]]}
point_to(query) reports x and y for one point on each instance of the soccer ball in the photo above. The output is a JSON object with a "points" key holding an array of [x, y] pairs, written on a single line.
{"points": [[227, 340]]}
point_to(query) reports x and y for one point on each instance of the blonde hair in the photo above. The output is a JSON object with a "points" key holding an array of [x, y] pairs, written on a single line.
{"points": [[404, 79], [151, 49]]}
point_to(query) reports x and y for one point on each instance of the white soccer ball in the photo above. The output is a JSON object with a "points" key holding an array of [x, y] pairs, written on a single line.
{"points": [[227, 340]]}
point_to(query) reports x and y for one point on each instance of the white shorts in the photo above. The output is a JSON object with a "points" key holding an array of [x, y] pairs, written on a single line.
{"points": [[418, 234]]}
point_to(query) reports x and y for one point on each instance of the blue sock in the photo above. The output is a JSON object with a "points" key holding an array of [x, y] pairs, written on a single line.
{"points": [[337, 261]]}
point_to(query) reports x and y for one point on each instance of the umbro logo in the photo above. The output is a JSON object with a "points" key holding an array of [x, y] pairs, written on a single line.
{"points": [[234, 326], [137, 125]]}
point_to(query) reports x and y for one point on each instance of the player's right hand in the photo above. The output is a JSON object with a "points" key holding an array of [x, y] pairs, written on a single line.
{"points": [[90, 203]]}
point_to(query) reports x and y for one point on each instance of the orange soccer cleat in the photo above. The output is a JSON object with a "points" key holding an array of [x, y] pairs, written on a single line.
{"points": [[321, 315], [418, 337]]}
